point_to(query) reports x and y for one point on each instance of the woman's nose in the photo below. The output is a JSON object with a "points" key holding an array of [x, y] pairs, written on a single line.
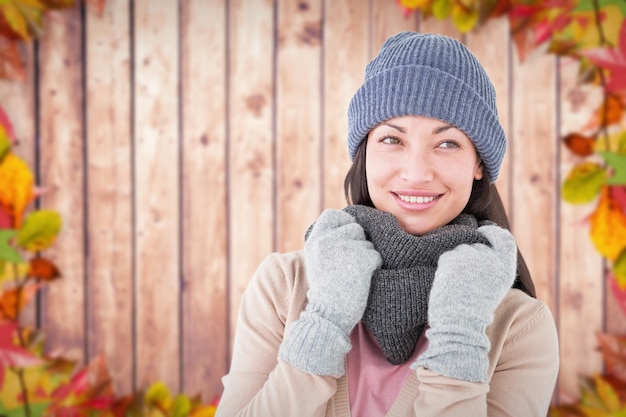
{"points": [[416, 167]]}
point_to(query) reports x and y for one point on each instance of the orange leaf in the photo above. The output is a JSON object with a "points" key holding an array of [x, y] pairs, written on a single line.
{"points": [[11, 65], [613, 349], [16, 187], [44, 269], [12, 301], [608, 225], [580, 145]]}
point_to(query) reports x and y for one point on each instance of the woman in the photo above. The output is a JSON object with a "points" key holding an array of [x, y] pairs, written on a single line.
{"points": [[410, 301]]}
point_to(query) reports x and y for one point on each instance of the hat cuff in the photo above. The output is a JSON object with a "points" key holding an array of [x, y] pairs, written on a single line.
{"points": [[426, 91]]}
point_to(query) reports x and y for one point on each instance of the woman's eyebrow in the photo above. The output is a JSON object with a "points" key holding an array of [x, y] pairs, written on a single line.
{"points": [[398, 128], [443, 128]]}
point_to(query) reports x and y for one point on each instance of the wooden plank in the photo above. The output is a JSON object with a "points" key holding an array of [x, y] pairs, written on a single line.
{"points": [[250, 143], [156, 174], [346, 53], [581, 286], [204, 241], [17, 98], [388, 19], [535, 161], [109, 192], [62, 172], [298, 127], [440, 26], [491, 45]]}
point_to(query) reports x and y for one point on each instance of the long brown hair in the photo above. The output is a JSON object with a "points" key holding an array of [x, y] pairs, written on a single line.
{"points": [[484, 203]]}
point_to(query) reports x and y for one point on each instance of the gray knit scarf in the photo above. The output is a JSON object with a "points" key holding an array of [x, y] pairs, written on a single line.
{"points": [[397, 306]]}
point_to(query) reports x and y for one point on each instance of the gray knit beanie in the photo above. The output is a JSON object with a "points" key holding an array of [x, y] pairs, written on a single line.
{"points": [[433, 76]]}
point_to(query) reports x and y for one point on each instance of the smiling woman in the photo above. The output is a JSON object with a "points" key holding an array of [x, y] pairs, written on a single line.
{"points": [[411, 300]]}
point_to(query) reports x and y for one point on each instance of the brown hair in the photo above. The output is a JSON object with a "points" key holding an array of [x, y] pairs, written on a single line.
{"points": [[484, 203]]}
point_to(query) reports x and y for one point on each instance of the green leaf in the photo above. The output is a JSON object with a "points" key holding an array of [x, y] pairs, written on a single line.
{"points": [[583, 183], [7, 252], [441, 9], [619, 269], [39, 230], [618, 163], [158, 393], [181, 406], [587, 5]]}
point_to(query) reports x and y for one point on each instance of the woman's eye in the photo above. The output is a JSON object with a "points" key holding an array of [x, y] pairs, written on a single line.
{"points": [[449, 144], [390, 140]]}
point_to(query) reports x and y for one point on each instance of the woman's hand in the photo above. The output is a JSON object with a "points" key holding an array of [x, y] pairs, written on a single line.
{"points": [[340, 262], [470, 282]]}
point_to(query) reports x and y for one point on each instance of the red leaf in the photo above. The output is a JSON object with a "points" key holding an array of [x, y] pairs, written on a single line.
{"points": [[5, 122], [614, 60], [12, 355], [618, 293]]}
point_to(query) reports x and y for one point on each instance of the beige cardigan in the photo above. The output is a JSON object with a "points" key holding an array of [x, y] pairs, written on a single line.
{"points": [[524, 360]]}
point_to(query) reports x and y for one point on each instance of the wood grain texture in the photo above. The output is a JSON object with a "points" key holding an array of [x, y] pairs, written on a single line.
{"points": [[63, 174], [109, 191], [387, 20], [346, 31], [580, 283], [298, 120], [250, 143], [535, 162], [157, 193], [205, 218]]}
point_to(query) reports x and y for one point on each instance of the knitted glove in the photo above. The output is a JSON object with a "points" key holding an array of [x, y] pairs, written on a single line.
{"points": [[339, 265], [470, 282]]}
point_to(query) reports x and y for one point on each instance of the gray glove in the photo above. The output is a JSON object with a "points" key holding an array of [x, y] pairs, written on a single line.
{"points": [[339, 265], [470, 282]]}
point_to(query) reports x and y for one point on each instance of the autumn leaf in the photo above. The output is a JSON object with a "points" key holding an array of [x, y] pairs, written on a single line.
{"points": [[579, 144], [612, 59], [16, 187], [13, 300], [43, 269], [583, 183], [11, 354], [619, 271], [12, 272], [618, 163], [618, 290], [158, 394], [88, 392], [613, 349], [7, 252], [39, 231], [608, 226], [11, 65]]}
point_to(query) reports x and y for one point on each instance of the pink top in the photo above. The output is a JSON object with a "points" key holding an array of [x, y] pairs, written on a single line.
{"points": [[373, 382]]}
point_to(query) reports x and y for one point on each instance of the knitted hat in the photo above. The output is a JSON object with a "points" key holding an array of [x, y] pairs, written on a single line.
{"points": [[433, 76]]}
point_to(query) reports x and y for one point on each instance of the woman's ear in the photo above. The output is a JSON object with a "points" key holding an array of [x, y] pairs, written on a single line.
{"points": [[479, 170]]}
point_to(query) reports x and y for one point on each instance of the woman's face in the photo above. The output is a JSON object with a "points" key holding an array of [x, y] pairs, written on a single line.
{"points": [[421, 170]]}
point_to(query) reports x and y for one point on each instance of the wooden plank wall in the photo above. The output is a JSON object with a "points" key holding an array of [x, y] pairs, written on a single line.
{"points": [[184, 141]]}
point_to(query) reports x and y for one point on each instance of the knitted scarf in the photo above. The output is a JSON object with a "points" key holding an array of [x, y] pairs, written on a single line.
{"points": [[397, 306]]}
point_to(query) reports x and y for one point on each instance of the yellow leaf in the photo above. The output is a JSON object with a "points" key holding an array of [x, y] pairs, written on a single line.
{"points": [[10, 271], [607, 394], [608, 226], [583, 183], [464, 16], [159, 394], [441, 9], [39, 231], [16, 20], [16, 187], [415, 4]]}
